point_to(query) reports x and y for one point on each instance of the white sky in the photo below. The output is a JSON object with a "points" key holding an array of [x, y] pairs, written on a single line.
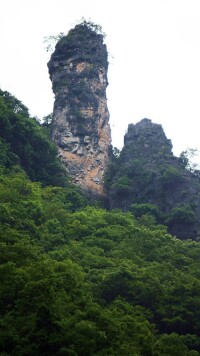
{"points": [[154, 72]]}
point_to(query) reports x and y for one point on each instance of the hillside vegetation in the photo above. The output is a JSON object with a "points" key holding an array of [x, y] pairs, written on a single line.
{"points": [[77, 279]]}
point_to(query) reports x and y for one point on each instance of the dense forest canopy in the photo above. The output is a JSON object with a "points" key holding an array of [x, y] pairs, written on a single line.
{"points": [[77, 279]]}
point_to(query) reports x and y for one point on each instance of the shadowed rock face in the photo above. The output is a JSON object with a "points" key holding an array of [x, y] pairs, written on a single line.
{"points": [[80, 126], [148, 172]]}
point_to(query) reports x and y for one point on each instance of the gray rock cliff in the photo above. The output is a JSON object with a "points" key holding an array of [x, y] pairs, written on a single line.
{"points": [[80, 126]]}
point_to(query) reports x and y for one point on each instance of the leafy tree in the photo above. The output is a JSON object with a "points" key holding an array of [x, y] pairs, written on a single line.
{"points": [[172, 345], [50, 41], [141, 209], [187, 159], [182, 214], [171, 177]]}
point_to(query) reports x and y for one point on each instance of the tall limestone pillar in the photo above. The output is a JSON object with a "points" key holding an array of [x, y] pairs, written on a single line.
{"points": [[80, 126]]}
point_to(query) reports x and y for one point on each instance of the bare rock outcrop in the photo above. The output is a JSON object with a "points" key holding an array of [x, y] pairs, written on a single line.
{"points": [[80, 126]]}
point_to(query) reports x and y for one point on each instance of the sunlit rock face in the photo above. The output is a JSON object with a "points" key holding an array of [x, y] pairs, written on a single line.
{"points": [[80, 126]]}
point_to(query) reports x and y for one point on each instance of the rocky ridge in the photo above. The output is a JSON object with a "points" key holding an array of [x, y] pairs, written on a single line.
{"points": [[80, 126]]}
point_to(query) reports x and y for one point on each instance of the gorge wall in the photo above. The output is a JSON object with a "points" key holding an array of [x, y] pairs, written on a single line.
{"points": [[80, 126]]}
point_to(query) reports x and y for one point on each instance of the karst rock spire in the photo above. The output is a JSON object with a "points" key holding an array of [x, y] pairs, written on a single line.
{"points": [[80, 127]]}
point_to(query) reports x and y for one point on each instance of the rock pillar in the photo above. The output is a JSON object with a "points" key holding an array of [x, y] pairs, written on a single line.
{"points": [[80, 126]]}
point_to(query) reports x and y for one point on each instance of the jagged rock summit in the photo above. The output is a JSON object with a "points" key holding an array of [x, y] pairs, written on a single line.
{"points": [[147, 137], [80, 126]]}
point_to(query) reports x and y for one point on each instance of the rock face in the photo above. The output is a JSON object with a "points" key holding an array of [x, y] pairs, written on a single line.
{"points": [[147, 172], [148, 139], [80, 126]]}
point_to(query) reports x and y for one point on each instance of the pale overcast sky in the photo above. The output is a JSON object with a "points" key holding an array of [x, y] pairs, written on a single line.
{"points": [[154, 50]]}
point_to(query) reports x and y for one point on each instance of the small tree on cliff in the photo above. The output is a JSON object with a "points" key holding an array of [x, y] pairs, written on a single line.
{"points": [[50, 41], [188, 160]]}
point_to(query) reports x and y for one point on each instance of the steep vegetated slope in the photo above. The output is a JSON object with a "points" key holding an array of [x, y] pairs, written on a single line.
{"points": [[23, 141], [79, 280]]}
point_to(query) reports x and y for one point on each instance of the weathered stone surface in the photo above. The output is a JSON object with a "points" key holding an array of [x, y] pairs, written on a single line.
{"points": [[80, 126], [148, 139]]}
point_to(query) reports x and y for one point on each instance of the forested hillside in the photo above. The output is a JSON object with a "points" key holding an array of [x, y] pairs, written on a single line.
{"points": [[77, 279]]}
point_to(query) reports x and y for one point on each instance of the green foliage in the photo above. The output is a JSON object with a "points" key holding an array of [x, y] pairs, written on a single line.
{"points": [[79, 280], [187, 159], [92, 26], [182, 214], [140, 177], [171, 177], [127, 180], [112, 168], [13, 104], [7, 158], [47, 120], [147, 214], [90, 281], [50, 41], [24, 141], [142, 209], [122, 186], [172, 345]]}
